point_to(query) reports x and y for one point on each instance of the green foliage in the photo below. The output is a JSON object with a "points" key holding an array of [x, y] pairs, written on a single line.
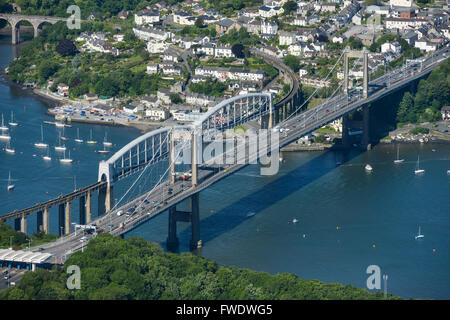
{"points": [[420, 130], [66, 48], [239, 37], [175, 98], [228, 7], [18, 239], [113, 268], [292, 62], [199, 23], [210, 87], [432, 94], [289, 7]]}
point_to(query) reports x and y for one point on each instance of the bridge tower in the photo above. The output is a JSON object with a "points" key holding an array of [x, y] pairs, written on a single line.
{"points": [[357, 54], [365, 94]]}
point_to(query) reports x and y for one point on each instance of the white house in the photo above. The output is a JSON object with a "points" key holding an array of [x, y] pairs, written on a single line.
{"points": [[400, 3], [157, 114], [152, 68], [393, 47], [144, 33], [269, 28], [286, 38], [223, 52], [146, 17], [425, 45], [157, 46]]}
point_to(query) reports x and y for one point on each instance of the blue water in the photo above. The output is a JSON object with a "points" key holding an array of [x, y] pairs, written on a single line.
{"points": [[348, 218]]}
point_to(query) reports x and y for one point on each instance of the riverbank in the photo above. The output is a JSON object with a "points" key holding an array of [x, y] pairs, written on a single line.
{"points": [[52, 101]]}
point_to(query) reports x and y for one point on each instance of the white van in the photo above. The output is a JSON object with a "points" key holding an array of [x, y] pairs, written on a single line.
{"points": [[120, 212]]}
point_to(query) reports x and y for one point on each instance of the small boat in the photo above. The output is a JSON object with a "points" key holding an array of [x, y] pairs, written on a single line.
{"points": [[368, 167], [47, 157], [106, 142], [62, 137], [59, 124], [60, 147], [10, 150], [4, 136], [294, 220], [10, 185], [419, 235], [104, 151], [91, 141], [3, 127], [78, 136], [448, 171], [12, 122], [66, 160], [41, 144], [397, 161], [418, 170], [250, 214]]}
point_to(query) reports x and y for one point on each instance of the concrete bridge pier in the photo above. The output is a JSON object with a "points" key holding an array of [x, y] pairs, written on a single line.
{"points": [[68, 218], [23, 224], [365, 143], [345, 128], [193, 217], [109, 198], [101, 201], [17, 224], [15, 34], [276, 115], [39, 221], [88, 207], [46, 220], [61, 215], [82, 210]]}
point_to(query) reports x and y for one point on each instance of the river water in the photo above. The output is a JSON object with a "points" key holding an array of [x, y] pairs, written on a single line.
{"points": [[348, 219]]}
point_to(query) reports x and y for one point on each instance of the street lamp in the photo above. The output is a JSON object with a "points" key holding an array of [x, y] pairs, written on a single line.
{"points": [[385, 278], [10, 241]]}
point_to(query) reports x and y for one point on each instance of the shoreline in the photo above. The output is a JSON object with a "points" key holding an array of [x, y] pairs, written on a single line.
{"points": [[51, 102]]}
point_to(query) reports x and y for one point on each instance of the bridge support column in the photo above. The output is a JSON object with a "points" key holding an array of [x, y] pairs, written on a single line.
{"points": [[109, 198], [365, 74], [172, 158], [17, 224], [365, 143], [36, 30], [345, 74], [88, 207], [193, 217], [101, 201], [194, 155], [61, 213], [46, 221], [15, 34], [83, 210], [345, 135], [172, 240], [68, 218], [39, 219], [23, 224], [195, 242], [277, 115]]}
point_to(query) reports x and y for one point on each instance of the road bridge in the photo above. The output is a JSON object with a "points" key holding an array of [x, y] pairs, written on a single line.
{"points": [[186, 141]]}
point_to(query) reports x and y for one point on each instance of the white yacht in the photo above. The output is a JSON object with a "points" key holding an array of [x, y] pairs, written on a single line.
{"points": [[3, 127], [418, 170], [66, 160], [78, 136], [368, 167], [12, 122], [41, 144], [47, 157], [398, 160], [106, 142], [9, 149], [419, 235], [60, 147], [10, 185]]}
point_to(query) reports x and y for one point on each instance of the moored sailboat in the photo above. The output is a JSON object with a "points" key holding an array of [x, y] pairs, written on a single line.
{"points": [[398, 160], [12, 122], [78, 136], [41, 144], [90, 141], [10, 185], [418, 170]]}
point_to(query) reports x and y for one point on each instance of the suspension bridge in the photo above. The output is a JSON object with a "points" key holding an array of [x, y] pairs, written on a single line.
{"points": [[169, 150]]}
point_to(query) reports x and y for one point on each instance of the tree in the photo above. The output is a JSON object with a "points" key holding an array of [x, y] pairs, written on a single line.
{"points": [[289, 7], [175, 98], [292, 62], [46, 69], [66, 48], [405, 108], [238, 50], [199, 23]]}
